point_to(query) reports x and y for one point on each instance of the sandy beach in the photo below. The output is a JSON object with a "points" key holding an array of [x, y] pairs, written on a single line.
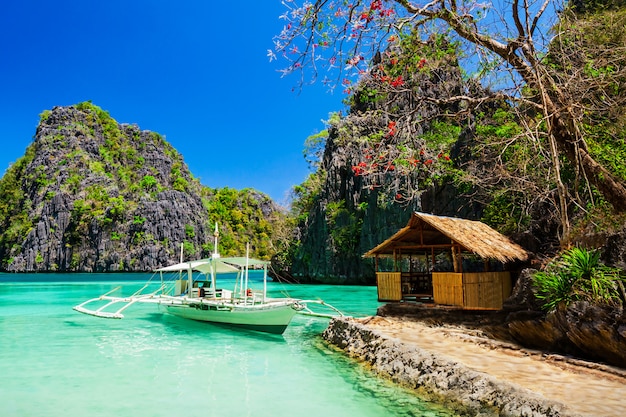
{"points": [[585, 388]]}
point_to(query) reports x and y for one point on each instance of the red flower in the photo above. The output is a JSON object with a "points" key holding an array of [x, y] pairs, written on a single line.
{"points": [[376, 5], [428, 162], [397, 82], [399, 196], [358, 170]]}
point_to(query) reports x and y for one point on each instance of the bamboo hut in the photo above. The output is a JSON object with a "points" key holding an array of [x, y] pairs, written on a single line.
{"points": [[416, 252]]}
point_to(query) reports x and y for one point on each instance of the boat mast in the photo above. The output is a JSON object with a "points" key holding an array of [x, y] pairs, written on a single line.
{"points": [[189, 273], [245, 287], [264, 281], [216, 255], [216, 234], [180, 273]]}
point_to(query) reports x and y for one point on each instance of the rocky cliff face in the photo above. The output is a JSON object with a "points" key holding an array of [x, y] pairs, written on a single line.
{"points": [[374, 176], [93, 195]]}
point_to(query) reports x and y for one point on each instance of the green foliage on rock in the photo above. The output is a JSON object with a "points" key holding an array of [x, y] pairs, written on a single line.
{"points": [[345, 228], [15, 221], [578, 274], [243, 217], [92, 194]]}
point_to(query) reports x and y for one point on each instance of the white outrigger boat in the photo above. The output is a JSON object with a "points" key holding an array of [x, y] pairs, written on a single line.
{"points": [[196, 297]]}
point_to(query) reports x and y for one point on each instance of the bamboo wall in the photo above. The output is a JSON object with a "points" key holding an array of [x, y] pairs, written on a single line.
{"points": [[478, 290], [474, 290], [389, 286], [448, 288]]}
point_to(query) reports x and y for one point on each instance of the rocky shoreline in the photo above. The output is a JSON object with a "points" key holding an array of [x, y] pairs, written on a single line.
{"points": [[437, 376]]}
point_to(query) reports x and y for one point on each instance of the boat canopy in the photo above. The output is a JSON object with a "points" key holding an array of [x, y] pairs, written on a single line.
{"points": [[219, 265], [242, 261]]}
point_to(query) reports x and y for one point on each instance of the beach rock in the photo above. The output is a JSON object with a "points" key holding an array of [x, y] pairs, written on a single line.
{"points": [[522, 297], [467, 392], [598, 331], [581, 329]]}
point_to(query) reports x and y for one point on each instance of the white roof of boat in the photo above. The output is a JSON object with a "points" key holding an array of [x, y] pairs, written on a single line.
{"points": [[242, 261], [221, 265]]}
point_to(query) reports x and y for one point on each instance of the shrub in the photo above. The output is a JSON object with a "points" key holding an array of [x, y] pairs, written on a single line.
{"points": [[577, 274]]}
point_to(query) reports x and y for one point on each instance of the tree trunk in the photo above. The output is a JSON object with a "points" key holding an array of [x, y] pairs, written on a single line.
{"points": [[611, 188]]}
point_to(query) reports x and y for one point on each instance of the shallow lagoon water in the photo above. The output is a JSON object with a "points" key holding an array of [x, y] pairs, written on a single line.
{"points": [[57, 362]]}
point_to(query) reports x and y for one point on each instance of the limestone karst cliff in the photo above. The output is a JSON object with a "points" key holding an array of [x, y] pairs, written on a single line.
{"points": [[372, 175], [419, 134], [94, 195]]}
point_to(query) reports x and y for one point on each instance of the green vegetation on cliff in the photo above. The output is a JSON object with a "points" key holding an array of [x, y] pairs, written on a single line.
{"points": [[246, 217], [542, 160], [94, 195]]}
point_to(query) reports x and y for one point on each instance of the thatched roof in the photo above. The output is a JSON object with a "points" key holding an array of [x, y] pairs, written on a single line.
{"points": [[426, 231]]}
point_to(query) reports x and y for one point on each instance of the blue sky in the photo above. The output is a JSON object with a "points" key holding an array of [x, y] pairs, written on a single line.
{"points": [[197, 72]]}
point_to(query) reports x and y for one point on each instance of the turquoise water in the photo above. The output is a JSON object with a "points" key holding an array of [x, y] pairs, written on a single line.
{"points": [[57, 362]]}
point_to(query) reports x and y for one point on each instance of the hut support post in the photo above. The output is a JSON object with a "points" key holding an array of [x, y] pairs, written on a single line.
{"points": [[395, 260], [457, 259], [432, 258]]}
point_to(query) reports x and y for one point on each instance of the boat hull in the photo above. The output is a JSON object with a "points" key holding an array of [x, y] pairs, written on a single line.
{"points": [[268, 319]]}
